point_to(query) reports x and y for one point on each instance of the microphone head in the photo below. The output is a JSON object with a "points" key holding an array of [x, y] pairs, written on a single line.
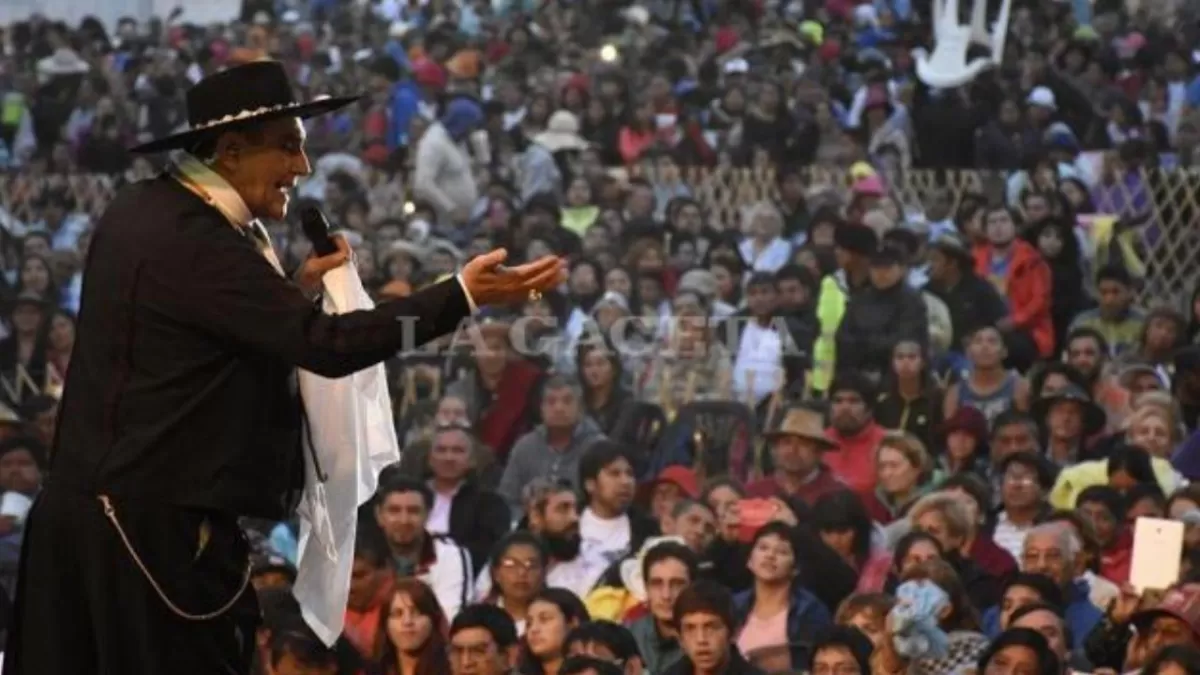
{"points": [[313, 221], [316, 228]]}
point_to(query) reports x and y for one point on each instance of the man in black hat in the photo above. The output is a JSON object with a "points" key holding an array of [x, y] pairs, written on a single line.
{"points": [[973, 302], [853, 245], [1070, 418], [181, 410], [880, 317]]}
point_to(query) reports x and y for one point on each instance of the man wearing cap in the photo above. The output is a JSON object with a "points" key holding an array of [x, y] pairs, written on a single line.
{"points": [[181, 410], [886, 313], [796, 449], [1175, 620], [853, 245], [853, 428], [972, 301], [1070, 417], [442, 170]]}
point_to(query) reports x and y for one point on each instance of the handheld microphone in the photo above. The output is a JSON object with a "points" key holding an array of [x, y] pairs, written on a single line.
{"points": [[316, 228]]}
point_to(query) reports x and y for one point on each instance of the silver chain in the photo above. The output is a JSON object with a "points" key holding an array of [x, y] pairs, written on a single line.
{"points": [[111, 512]]}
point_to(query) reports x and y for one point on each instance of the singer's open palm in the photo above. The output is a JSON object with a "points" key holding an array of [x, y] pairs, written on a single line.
{"points": [[491, 283]]}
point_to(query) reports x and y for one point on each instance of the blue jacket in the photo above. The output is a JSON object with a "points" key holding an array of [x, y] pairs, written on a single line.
{"points": [[807, 617], [406, 100]]}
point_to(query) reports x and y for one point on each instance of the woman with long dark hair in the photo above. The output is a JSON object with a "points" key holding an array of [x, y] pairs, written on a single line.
{"points": [[552, 615], [1055, 240], [911, 400], [601, 374], [911, 550], [842, 522], [1129, 465], [1163, 333], [414, 626], [23, 352], [60, 342], [36, 276], [585, 287]]}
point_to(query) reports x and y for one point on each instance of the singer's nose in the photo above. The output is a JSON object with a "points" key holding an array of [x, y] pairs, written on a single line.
{"points": [[302, 167]]}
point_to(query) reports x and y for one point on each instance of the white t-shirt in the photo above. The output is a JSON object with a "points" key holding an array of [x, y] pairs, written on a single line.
{"points": [[604, 541], [439, 515], [760, 352]]}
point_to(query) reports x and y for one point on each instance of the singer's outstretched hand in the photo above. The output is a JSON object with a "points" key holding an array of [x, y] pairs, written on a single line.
{"points": [[491, 283], [309, 276]]}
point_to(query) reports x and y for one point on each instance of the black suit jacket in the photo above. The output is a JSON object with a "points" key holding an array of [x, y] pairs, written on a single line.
{"points": [[479, 519], [182, 386]]}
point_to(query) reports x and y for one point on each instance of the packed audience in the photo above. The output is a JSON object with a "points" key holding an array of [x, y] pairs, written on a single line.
{"points": [[837, 433]]}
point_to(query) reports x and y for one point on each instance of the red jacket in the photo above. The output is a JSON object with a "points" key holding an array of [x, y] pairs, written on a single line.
{"points": [[1029, 290], [632, 143], [1116, 560], [994, 560], [854, 460]]}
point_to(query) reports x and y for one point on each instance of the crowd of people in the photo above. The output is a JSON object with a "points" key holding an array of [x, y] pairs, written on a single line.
{"points": [[835, 434]]}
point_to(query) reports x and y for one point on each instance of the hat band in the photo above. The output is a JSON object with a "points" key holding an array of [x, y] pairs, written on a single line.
{"points": [[244, 115]]}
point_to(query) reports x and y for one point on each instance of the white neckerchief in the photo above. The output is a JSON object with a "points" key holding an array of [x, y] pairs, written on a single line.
{"points": [[207, 184]]}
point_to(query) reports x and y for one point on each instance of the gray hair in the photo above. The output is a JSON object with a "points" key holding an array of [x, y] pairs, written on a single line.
{"points": [[1068, 540], [763, 209], [950, 507], [561, 381], [457, 427]]}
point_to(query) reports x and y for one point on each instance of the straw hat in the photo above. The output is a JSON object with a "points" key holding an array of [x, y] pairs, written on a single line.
{"points": [[802, 422]]}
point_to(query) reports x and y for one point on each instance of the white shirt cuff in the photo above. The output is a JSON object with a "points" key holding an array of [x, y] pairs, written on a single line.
{"points": [[467, 292]]}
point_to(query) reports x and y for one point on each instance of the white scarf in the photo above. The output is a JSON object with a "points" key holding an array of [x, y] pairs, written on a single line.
{"points": [[349, 424], [207, 184]]}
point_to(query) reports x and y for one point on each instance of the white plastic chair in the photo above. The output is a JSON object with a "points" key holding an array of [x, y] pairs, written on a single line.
{"points": [[947, 67]]}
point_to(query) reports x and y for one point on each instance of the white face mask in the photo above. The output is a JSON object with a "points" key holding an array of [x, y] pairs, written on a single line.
{"points": [[665, 121]]}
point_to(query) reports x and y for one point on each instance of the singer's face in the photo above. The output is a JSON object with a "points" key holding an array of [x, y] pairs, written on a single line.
{"points": [[263, 166]]}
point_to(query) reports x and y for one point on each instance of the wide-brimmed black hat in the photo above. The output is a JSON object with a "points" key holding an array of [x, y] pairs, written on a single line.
{"points": [[1094, 417], [253, 92], [955, 245], [856, 238]]}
